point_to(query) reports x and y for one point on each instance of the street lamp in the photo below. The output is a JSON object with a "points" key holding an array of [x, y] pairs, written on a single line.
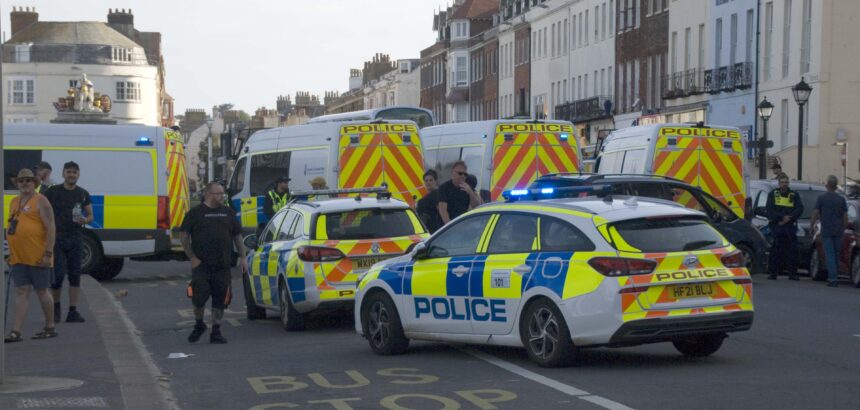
{"points": [[801, 93], [765, 109], [209, 162]]}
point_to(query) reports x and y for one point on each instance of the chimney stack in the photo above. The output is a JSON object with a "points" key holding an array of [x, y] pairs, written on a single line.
{"points": [[121, 20], [22, 18]]}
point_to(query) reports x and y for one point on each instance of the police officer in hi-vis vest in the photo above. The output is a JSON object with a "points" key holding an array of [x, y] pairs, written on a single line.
{"points": [[277, 198], [784, 207]]}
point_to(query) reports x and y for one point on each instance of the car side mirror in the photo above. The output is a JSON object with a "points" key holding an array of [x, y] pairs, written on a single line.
{"points": [[760, 211], [411, 247], [419, 251], [250, 242]]}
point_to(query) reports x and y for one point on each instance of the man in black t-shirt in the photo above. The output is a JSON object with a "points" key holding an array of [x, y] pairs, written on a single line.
{"points": [[456, 197], [209, 233], [73, 209]]}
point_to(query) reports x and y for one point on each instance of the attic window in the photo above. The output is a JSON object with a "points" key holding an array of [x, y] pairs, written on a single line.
{"points": [[120, 54], [22, 53]]}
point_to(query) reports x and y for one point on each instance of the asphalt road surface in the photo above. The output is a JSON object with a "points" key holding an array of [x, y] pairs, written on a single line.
{"points": [[802, 352]]}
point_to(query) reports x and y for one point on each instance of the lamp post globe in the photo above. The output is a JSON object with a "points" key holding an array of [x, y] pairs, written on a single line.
{"points": [[765, 109], [801, 92]]}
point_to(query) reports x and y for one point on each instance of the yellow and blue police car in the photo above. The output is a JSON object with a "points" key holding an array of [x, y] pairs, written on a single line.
{"points": [[309, 255], [559, 275]]}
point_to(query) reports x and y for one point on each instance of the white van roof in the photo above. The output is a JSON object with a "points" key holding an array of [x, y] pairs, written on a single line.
{"points": [[80, 135], [653, 129], [322, 133]]}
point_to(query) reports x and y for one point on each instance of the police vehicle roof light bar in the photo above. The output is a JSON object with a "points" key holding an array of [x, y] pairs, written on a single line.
{"points": [[380, 191], [554, 192]]}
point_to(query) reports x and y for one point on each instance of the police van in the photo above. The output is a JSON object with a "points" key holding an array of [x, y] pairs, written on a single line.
{"points": [[502, 154], [135, 175], [420, 116], [710, 157], [352, 154]]}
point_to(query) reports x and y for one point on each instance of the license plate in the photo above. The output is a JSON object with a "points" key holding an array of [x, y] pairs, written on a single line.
{"points": [[699, 290], [366, 263]]}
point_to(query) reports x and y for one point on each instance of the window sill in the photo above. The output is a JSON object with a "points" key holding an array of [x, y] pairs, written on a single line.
{"points": [[126, 101]]}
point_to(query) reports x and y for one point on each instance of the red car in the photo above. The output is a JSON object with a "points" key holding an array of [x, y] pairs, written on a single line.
{"points": [[849, 255]]}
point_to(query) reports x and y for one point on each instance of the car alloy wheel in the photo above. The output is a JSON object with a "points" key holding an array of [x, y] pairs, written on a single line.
{"points": [[378, 324], [855, 270], [544, 332]]}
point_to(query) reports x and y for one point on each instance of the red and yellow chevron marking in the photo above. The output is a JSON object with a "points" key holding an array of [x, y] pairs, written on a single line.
{"points": [[657, 289], [383, 157], [517, 161], [706, 163], [177, 182]]}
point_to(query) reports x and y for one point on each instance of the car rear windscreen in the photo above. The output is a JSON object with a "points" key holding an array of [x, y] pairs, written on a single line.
{"points": [[369, 224], [668, 234]]}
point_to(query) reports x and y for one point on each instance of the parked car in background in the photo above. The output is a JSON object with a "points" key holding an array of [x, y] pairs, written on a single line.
{"points": [[809, 193], [738, 231], [849, 255]]}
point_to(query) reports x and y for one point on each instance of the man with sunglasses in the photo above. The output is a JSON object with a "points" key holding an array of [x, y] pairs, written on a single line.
{"points": [[457, 197]]}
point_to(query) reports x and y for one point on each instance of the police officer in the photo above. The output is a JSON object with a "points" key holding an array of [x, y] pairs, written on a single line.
{"points": [[277, 197], [783, 208]]}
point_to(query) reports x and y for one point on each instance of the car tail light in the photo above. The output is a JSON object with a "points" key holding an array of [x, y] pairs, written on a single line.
{"points": [[742, 281], [734, 259], [163, 216], [319, 254], [622, 266]]}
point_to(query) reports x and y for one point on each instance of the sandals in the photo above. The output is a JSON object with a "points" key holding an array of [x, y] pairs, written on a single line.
{"points": [[14, 336], [47, 333]]}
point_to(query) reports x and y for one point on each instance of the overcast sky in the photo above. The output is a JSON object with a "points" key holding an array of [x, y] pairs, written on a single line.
{"points": [[250, 51]]}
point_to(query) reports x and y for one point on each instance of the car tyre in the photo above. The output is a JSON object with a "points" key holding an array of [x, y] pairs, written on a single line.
{"points": [[699, 346], [545, 335], [382, 326], [855, 270], [816, 271], [291, 319], [252, 311]]}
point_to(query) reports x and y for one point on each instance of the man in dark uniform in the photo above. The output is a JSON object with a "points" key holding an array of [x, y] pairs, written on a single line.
{"points": [[277, 197], [784, 207]]}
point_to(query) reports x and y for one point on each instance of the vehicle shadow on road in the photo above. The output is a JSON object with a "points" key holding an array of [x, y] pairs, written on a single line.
{"points": [[616, 359]]}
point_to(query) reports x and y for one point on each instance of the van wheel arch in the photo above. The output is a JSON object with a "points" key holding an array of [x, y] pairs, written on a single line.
{"points": [[93, 245]]}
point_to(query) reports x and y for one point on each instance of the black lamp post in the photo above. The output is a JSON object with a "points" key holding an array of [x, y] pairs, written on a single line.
{"points": [[801, 93], [765, 109]]}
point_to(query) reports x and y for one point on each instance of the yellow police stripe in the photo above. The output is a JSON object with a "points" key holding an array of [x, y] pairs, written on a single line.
{"points": [[547, 209], [620, 243], [501, 265], [426, 275], [485, 236], [248, 209], [416, 223], [321, 233], [130, 211], [581, 277]]}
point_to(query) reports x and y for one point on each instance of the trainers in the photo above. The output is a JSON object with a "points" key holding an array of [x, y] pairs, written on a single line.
{"points": [[196, 333], [74, 317], [216, 337]]}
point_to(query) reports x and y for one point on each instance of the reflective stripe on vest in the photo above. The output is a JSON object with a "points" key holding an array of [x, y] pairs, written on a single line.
{"points": [[787, 201], [278, 202]]}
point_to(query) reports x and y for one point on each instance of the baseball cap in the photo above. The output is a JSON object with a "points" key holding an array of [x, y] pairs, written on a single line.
{"points": [[43, 165], [282, 179]]}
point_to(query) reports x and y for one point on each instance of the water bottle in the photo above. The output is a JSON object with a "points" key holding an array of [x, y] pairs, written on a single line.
{"points": [[76, 212]]}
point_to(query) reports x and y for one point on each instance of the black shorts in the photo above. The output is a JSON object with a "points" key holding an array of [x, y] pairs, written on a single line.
{"points": [[208, 280]]}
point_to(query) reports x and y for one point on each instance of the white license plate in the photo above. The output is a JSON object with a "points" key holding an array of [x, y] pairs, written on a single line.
{"points": [[366, 263]]}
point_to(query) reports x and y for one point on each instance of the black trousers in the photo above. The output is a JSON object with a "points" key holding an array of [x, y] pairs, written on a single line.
{"points": [[783, 252]]}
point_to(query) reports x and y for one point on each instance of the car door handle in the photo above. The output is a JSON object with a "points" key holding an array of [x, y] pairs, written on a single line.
{"points": [[460, 271], [522, 269]]}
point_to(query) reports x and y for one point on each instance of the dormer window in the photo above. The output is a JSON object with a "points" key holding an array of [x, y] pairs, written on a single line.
{"points": [[460, 29], [121, 55], [22, 53]]}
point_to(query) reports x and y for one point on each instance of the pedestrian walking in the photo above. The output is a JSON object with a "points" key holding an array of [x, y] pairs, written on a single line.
{"points": [[31, 235], [277, 197], [832, 210], [209, 233], [43, 171], [73, 209], [784, 207], [456, 196], [428, 206]]}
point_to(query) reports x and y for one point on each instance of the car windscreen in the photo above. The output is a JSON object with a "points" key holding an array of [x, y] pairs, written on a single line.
{"points": [[675, 234], [369, 224], [808, 197]]}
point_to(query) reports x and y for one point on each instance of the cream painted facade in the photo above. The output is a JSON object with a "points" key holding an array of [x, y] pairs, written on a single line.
{"points": [[688, 56], [507, 95], [397, 87], [51, 81]]}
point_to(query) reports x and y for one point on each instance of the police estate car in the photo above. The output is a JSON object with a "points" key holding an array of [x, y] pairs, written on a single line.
{"points": [[559, 275], [310, 254]]}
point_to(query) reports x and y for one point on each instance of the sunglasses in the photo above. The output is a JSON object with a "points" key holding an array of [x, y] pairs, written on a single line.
{"points": [[460, 173]]}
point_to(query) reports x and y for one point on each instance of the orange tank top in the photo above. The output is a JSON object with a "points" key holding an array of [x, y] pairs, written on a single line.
{"points": [[27, 246]]}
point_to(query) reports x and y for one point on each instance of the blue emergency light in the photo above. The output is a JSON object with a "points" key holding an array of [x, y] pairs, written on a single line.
{"points": [[143, 142], [563, 137], [547, 190], [519, 192], [555, 192]]}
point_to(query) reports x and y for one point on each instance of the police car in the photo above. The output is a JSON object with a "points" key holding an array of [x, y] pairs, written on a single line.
{"points": [[310, 253], [559, 275]]}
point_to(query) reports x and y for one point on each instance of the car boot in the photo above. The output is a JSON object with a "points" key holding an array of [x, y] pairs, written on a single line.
{"points": [[199, 328], [216, 337]]}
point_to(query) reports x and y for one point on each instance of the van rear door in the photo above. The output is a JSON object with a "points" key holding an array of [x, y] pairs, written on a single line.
{"points": [[178, 198], [524, 151], [370, 155], [709, 158]]}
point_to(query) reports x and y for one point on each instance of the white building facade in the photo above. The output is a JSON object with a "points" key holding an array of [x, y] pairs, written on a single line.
{"points": [[398, 87]]}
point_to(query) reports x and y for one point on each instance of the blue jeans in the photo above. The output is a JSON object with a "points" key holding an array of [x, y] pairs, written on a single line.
{"points": [[832, 244]]}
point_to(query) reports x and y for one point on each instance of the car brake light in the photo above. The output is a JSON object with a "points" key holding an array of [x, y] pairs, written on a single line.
{"points": [[734, 259], [163, 216], [742, 281], [319, 254], [622, 266]]}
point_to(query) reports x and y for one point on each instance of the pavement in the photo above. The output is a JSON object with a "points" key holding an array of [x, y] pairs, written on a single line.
{"points": [[97, 364]]}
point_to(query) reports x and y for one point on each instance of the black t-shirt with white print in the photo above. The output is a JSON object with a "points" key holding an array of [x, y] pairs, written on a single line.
{"points": [[212, 231]]}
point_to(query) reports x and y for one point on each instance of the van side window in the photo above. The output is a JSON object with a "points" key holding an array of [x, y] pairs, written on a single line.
{"points": [[237, 182], [610, 163], [310, 163], [266, 168], [634, 162], [98, 168], [15, 160]]}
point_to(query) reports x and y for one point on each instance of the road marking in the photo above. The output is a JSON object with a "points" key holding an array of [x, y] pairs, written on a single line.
{"points": [[546, 381], [856, 335]]}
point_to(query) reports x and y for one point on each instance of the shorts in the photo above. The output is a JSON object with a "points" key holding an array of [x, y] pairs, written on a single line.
{"points": [[67, 260], [209, 280], [36, 276]]}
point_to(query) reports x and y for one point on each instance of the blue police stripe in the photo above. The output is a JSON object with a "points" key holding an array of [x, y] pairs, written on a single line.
{"points": [[264, 260], [458, 286], [261, 217], [297, 289], [98, 211], [407, 278], [393, 276], [236, 204], [547, 275], [257, 285], [476, 277]]}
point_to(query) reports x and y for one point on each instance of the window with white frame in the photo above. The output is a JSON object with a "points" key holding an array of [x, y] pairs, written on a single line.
{"points": [[596, 23], [718, 44], [603, 21], [461, 71], [121, 55], [688, 37], [22, 53], [806, 39], [749, 36], [128, 91], [786, 37], [20, 91], [768, 40], [784, 129], [733, 46], [585, 29], [566, 46]]}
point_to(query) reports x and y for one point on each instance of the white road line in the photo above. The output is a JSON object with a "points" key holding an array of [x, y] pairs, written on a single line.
{"points": [[856, 335], [546, 381]]}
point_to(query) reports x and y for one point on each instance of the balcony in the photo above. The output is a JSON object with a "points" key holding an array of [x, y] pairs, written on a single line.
{"points": [[677, 85], [694, 79], [711, 83], [742, 75], [587, 109], [724, 79]]}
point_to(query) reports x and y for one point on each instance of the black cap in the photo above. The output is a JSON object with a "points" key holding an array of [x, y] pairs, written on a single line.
{"points": [[71, 164], [44, 165], [282, 179]]}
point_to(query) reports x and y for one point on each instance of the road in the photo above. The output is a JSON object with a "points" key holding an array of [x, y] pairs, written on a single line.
{"points": [[802, 352]]}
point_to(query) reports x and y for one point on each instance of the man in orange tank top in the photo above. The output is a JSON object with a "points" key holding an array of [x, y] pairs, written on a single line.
{"points": [[31, 234]]}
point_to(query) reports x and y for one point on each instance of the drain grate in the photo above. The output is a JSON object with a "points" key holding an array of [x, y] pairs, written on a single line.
{"points": [[63, 403]]}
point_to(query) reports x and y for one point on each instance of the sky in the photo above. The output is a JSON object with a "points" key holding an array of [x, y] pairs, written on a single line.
{"points": [[249, 52]]}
